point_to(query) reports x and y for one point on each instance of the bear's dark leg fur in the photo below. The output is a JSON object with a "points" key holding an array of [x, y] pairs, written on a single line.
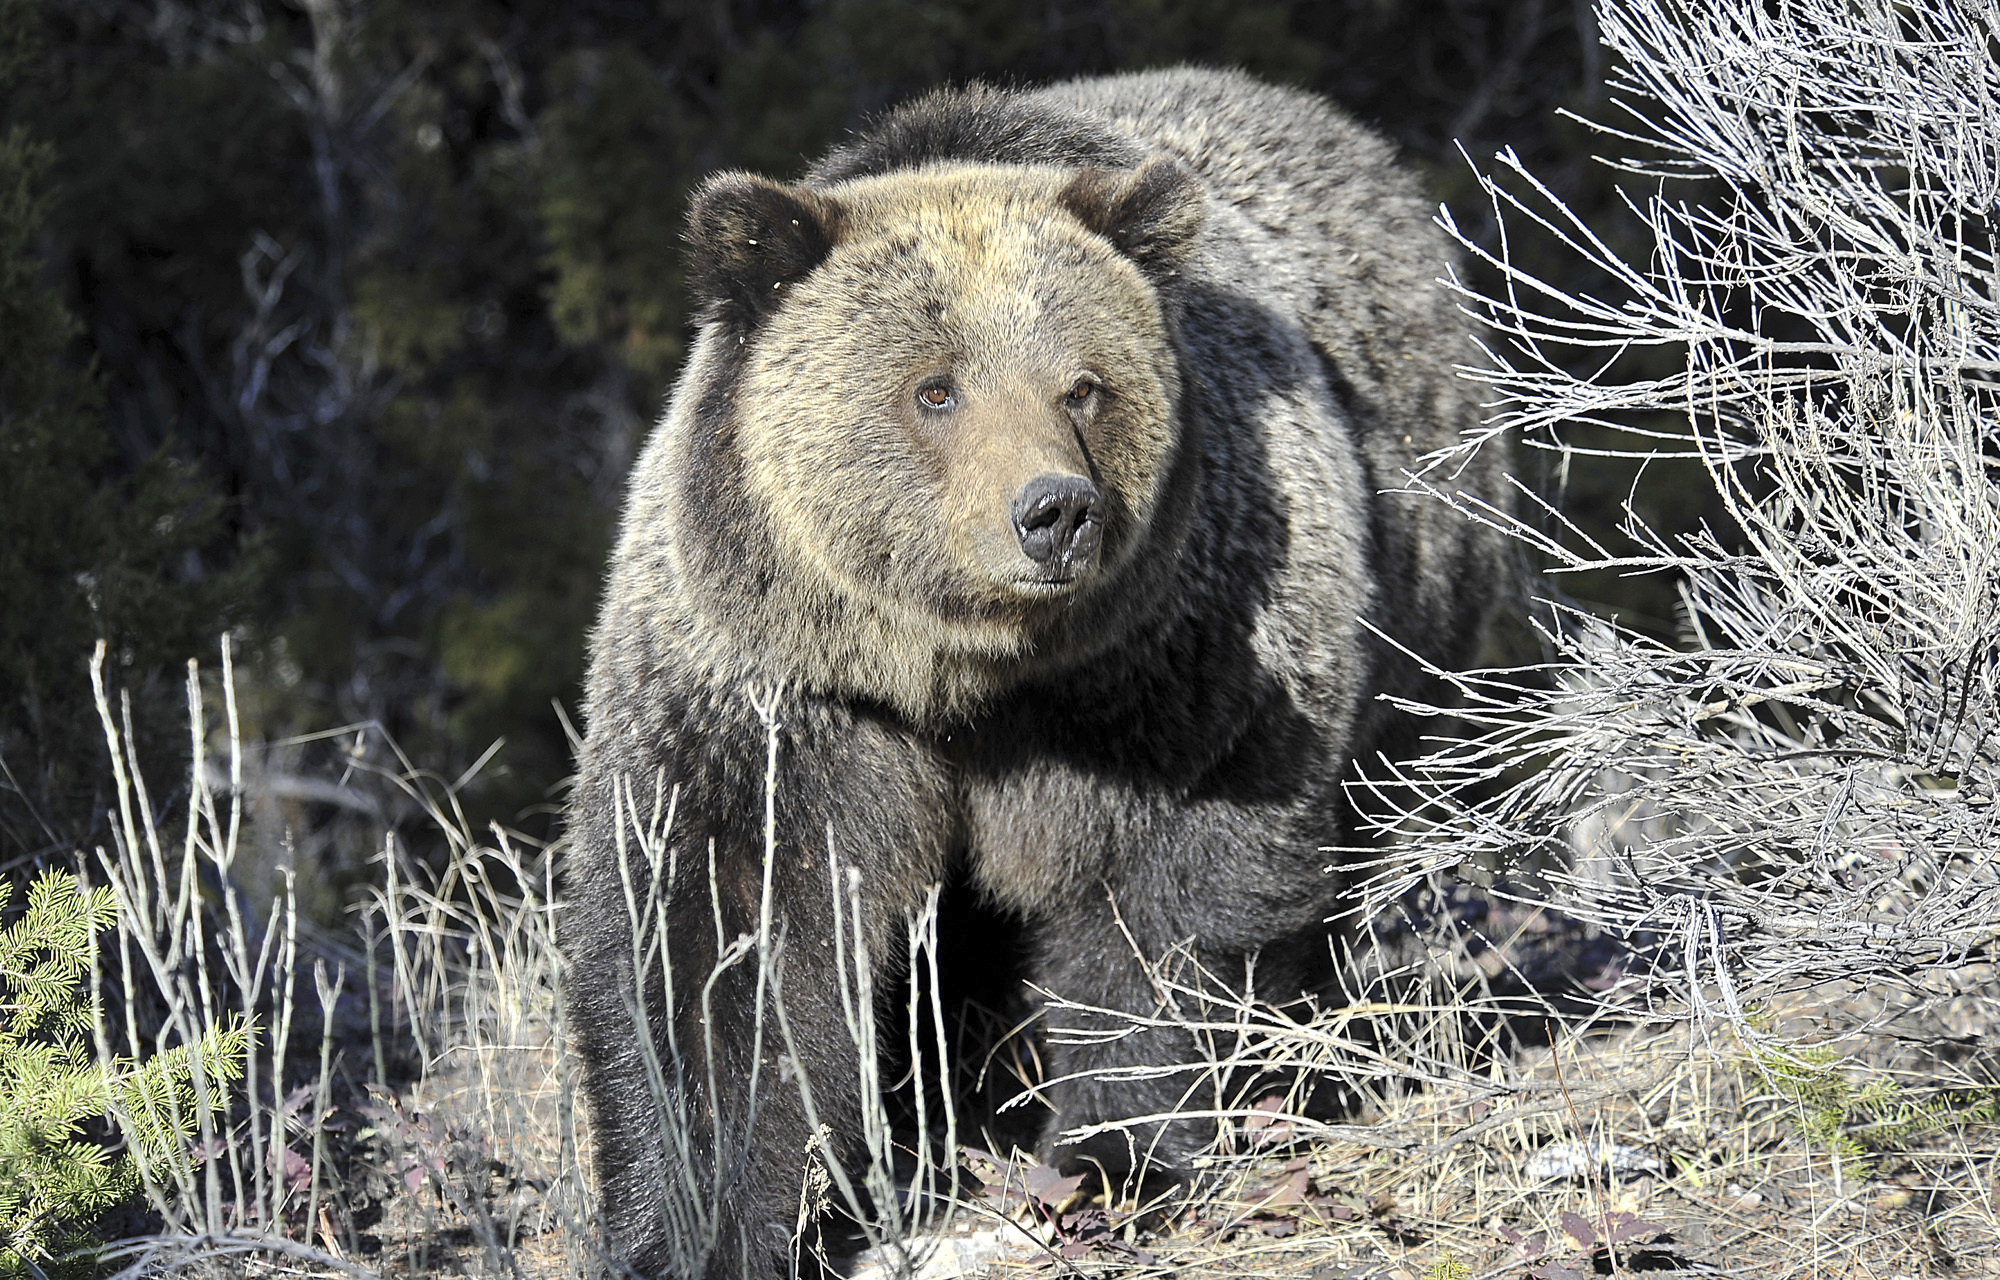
{"points": [[700, 1173], [1106, 973], [679, 1156], [1188, 836], [1105, 953]]}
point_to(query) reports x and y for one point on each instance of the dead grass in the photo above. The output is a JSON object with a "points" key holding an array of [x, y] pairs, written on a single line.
{"points": [[1722, 1160], [1849, 1130]]}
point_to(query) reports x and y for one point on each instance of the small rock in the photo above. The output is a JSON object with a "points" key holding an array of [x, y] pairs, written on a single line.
{"points": [[945, 1257], [1571, 1161]]}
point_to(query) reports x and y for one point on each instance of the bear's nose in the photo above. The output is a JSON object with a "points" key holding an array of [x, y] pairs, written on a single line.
{"points": [[1059, 520]]}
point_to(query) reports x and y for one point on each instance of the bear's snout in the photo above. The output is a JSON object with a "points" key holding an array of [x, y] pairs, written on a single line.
{"points": [[1060, 522]]}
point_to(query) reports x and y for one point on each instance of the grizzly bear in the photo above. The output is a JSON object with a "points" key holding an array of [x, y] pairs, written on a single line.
{"points": [[1019, 511]]}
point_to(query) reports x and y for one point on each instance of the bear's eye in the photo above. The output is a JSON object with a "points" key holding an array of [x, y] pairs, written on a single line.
{"points": [[936, 395], [1082, 391]]}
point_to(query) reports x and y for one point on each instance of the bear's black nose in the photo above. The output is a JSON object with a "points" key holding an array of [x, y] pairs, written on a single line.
{"points": [[1059, 520]]}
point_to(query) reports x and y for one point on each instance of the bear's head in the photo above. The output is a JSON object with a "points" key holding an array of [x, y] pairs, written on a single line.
{"points": [[954, 409]]}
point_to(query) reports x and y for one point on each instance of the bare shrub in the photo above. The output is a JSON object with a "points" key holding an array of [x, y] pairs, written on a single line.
{"points": [[1801, 787], [191, 955], [477, 1163]]}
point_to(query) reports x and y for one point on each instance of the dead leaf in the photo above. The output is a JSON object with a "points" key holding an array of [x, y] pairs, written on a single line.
{"points": [[1049, 1188], [1531, 1246], [1294, 1190], [1578, 1229], [1630, 1226], [1263, 1113]]}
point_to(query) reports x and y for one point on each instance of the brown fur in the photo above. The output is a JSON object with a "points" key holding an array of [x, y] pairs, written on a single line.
{"points": [[1138, 750], [884, 600]]}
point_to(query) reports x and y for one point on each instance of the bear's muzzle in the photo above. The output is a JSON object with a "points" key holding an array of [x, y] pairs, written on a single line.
{"points": [[1059, 521]]}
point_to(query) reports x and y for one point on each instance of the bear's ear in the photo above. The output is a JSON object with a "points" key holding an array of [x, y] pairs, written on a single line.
{"points": [[1153, 214], [750, 240]]}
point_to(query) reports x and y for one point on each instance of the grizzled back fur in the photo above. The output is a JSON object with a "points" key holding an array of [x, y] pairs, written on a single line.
{"points": [[1027, 474]]}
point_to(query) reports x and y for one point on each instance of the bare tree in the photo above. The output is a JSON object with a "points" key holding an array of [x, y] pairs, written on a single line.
{"points": [[1800, 787]]}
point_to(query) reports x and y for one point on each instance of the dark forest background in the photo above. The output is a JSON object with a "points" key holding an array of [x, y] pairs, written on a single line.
{"points": [[336, 325]]}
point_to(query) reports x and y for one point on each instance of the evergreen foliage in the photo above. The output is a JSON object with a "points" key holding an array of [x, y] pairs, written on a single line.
{"points": [[405, 279], [54, 1180], [1854, 1122], [50, 1180]]}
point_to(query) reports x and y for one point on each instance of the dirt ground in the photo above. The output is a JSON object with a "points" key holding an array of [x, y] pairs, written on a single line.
{"points": [[1842, 1134]]}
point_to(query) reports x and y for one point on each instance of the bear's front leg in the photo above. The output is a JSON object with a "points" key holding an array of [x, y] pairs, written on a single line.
{"points": [[1151, 914], [692, 1021], [1113, 1043], [715, 1022]]}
